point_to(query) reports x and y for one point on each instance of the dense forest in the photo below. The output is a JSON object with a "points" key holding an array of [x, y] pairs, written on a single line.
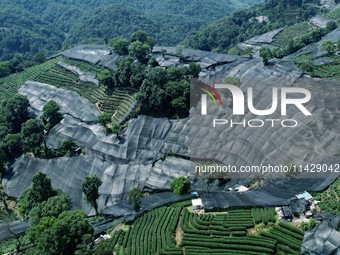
{"points": [[225, 33], [31, 30]]}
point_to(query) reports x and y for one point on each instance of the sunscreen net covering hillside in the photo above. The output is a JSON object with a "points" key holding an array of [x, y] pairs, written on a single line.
{"points": [[264, 130], [70, 102], [322, 239], [151, 152]]}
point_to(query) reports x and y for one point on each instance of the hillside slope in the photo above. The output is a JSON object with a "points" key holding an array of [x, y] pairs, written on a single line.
{"points": [[225, 33], [29, 27]]}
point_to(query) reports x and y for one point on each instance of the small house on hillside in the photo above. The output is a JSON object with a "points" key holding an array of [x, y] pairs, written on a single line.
{"points": [[262, 19], [287, 214], [305, 195], [197, 205], [319, 22], [299, 205], [239, 188]]}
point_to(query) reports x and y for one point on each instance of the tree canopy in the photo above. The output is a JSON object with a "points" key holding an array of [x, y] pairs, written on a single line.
{"points": [[63, 235], [227, 32], [32, 134], [266, 54], [90, 187], [41, 191], [51, 115], [120, 45], [15, 111], [180, 186], [139, 50], [52, 207], [59, 24], [135, 198], [104, 119], [105, 78]]}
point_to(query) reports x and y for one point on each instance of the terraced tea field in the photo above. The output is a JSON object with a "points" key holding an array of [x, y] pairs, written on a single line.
{"points": [[335, 15], [9, 85], [292, 32], [174, 230], [330, 70], [117, 102]]}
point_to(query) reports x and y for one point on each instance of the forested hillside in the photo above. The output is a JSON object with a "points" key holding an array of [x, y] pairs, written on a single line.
{"points": [[30, 27], [225, 33]]}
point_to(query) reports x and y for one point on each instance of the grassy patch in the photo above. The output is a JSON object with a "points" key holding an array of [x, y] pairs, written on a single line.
{"points": [[303, 58], [330, 70], [335, 15], [329, 198], [292, 32]]}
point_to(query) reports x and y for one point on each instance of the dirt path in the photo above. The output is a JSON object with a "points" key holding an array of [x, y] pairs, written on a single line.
{"points": [[179, 234]]}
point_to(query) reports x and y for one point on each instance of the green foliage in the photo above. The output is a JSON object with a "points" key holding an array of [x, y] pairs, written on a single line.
{"points": [[64, 23], [52, 207], [110, 99], [307, 226], [10, 84], [287, 235], [135, 198], [308, 67], [194, 70], [296, 31], [140, 36], [330, 70], [116, 130], [166, 91], [12, 146], [152, 233], [180, 186], [2, 168], [249, 51], [67, 148], [329, 198], [264, 215], [41, 191], [104, 119], [334, 14], [123, 72], [106, 247], [305, 38], [331, 25], [265, 54], [328, 46], [51, 115], [62, 235], [4, 69], [155, 231], [105, 77], [153, 62], [139, 50], [120, 45], [15, 112], [22, 40], [39, 57], [90, 188], [32, 135], [225, 33]]}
